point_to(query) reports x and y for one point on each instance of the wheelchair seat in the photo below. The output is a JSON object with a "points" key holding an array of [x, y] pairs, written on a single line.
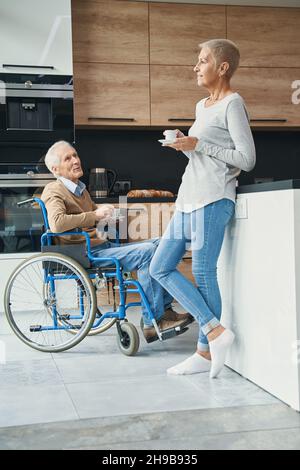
{"points": [[76, 251]]}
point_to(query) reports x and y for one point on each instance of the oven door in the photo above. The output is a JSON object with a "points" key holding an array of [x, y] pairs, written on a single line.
{"points": [[20, 227]]}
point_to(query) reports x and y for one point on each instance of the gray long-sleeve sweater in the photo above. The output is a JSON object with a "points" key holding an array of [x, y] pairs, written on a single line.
{"points": [[225, 148]]}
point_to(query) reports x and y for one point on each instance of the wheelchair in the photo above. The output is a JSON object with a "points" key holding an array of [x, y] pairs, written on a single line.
{"points": [[50, 299]]}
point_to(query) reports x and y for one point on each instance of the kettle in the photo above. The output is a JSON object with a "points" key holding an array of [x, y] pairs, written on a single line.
{"points": [[99, 184]]}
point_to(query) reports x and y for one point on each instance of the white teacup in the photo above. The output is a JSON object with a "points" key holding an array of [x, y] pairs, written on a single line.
{"points": [[170, 134]]}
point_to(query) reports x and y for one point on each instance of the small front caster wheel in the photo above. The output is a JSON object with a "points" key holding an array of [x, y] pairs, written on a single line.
{"points": [[128, 339]]}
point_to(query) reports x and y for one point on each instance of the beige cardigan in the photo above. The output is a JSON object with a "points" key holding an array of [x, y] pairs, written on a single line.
{"points": [[67, 212]]}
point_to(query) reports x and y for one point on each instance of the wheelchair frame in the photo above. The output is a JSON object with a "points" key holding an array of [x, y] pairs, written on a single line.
{"points": [[125, 330]]}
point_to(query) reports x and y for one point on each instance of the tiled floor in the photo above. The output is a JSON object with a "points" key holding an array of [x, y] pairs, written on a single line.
{"points": [[95, 380], [273, 426]]}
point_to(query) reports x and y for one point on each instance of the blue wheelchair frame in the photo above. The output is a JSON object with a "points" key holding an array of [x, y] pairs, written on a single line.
{"points": [[124, 284]]}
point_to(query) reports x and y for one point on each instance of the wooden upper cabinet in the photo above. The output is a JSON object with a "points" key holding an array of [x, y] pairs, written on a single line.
{"points": [[174, 94], [177, 29], [268, 95], [111, 94], [266, 37], [110, 32]]}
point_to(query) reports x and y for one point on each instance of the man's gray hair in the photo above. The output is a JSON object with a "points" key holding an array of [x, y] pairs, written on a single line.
{"points": [[224, 50], [53, 156]]}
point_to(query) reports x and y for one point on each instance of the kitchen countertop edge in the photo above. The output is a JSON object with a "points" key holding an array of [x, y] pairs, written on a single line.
{"points": [[107, 200], [247, 188], [269, 186]]}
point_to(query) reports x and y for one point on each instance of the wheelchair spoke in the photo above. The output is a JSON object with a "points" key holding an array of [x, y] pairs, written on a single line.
{"points": [[43, 314], [26, 284]]}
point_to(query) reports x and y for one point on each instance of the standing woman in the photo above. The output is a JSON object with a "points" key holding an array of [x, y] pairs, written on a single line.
{"points": [[219, 145]]}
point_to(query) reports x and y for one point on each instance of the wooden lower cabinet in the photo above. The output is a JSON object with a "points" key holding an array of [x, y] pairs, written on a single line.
{"points": [[144, 222]]}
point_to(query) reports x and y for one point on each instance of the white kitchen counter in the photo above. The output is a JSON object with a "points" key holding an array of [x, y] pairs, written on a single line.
{"points": [[259, 277]]}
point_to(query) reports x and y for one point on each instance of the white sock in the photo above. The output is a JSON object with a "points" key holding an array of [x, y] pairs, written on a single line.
{"points": [[192, 365], [218, 350]]}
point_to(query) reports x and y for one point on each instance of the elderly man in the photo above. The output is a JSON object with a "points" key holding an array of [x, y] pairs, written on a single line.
{"points": [[69, 206]]}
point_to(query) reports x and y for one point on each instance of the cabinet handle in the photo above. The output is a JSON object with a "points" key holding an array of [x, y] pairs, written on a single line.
{"points": [[91, 118], [269, 120], [30, 66], [181, 119]]}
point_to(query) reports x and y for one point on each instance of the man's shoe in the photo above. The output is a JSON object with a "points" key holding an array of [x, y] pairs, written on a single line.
{"points": [[150, 334], [165, 323], [170, 314]]}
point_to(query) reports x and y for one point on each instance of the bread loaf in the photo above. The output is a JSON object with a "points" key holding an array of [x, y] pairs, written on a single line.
{"points": [[149, 193]]}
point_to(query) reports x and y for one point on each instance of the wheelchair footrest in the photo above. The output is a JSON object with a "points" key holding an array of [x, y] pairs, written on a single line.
{"points": [[35, 328], [167, 334]]}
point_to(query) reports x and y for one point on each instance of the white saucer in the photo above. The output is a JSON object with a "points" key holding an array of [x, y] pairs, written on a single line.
{"points": [[166, 142]]}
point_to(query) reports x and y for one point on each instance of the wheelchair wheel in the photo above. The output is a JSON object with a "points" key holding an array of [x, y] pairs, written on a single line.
{"points": [[43, 316], [95, 330], [128, 339]]}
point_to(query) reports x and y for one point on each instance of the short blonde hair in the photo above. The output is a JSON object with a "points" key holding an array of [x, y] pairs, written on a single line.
{"points": [[53, 156], [223, 50]]}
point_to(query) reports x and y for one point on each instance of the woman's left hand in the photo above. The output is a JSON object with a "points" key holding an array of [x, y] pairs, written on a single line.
{"points": [[184, 143]]}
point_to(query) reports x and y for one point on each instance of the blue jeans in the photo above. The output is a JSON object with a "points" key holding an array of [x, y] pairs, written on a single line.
{"points": [[202, 231], [137, 257]]}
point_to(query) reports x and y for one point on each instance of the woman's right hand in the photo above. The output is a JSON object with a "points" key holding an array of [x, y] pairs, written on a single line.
{"points": [[178, 134]]}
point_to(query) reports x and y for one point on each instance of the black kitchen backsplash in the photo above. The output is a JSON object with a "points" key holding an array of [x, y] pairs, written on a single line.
{"points": [[137, 155]]}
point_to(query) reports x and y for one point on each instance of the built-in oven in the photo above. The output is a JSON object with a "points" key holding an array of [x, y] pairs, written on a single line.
{"points": [[21, 227], [36, 108]]}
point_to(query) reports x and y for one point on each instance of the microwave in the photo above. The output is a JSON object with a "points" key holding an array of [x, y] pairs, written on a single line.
{"points": [[36, 108]]}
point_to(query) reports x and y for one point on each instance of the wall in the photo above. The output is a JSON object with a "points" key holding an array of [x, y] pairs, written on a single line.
{"points": [[137, 155]]}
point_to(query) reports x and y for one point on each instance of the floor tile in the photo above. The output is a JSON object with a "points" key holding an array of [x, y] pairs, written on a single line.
{"points": [[16, 350], [133, 396], [94, 379], [15, 374], [105, 367], [231, 389], [256, 440], [35, 404], [175, 428]]}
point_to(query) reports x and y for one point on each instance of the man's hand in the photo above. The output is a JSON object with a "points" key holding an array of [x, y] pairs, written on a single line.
{"points": [[184, 143], [104, 212]]}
